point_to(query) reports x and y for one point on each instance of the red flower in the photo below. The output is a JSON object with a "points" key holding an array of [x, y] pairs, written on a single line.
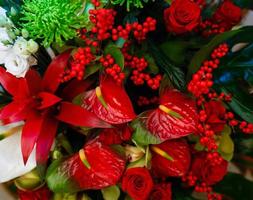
{"points": [[182, 16], [228, 14], [109, 102], [117, 135], [95, 168], [138, 183], [171, 158], [161, 191], [206, 171], [35, 102], [215, 112], [39, 194], [176, 116]]}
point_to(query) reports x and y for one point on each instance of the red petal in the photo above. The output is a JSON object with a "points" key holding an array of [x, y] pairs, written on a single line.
{"points": [[180, 152], [14, 86], [30, 134], [106, 169], [33, 81], [46, 139], [116, 96], [51, 81], [74, 88], [47, 100], [12, 109], [78, 116], [166, 126]]}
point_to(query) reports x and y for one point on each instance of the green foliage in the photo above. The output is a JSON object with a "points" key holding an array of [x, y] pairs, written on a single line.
{"points": [[115, 52], [141, 135], [244, 3], [53, 20], [111, 193], [236, 187], [129, 3], [174, 73]]}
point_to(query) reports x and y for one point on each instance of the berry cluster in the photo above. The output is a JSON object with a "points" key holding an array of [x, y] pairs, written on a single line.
{"points": [[203, 80], [112, 69], [138, 76], [214, 158], [103, 20], [89, 39], [144, 101], [96, 3], [81, 59], [140, 31], [209, 28]]}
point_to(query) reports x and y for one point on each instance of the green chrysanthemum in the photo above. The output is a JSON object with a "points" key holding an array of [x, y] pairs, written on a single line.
{"points": [[53, 20], [129, 3]]}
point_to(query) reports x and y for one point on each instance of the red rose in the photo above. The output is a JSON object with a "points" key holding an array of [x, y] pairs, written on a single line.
{"points": [[161, 191], [206, 171], [182, 16], [137, 182], [178, 150], [215, 112], [39, 194], [228, 14]]}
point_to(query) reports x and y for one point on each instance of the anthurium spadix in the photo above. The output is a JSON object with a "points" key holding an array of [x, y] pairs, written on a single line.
{"points": [[35, 102], [11, 160]]}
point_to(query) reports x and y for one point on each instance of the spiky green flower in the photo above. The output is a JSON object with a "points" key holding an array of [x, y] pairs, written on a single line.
{"points": [[53, 20], [129, 3]]}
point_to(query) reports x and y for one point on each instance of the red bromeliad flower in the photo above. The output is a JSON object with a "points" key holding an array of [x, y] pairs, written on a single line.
{"points": [[34, 101], [109, 102], [176, 116]]}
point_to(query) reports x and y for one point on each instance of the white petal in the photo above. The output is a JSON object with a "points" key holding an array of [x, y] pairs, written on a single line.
{"points": [[11, 161], [3, 55]]}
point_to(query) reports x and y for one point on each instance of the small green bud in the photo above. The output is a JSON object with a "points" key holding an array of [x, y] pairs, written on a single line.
{"points": [[13, 12], [25, 33], [11, 34], [32, 46], [29, 181], [17, 32]]}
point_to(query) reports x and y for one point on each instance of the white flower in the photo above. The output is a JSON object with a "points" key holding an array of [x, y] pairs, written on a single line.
{"points": [[11, 161], [16, 65], [20, 47], [32, 46], [2, 12]]}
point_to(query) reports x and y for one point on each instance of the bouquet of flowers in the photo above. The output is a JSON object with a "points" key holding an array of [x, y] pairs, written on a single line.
{"points": [[126, 99]]}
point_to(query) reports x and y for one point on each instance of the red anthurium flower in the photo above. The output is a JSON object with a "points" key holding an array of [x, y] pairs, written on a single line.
{"points": [[96, 166], [171, 158], [35, 102], [109, 102], [176, 116]]}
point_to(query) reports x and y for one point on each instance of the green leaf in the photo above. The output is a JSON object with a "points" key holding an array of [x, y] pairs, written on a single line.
{"points": [[120, 42], [141, 135], [244, 3], [226, 145], [174, 73], [241, 103], [236, 187], [111, 193], [92, 69], [116, 54], [151, 64], [234, 37], [175, 50]]}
